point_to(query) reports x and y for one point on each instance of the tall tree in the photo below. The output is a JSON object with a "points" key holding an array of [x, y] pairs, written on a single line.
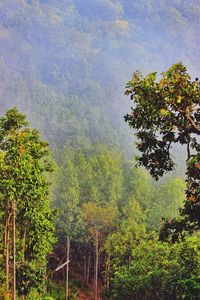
{"points": [[67, 200], [159, 271], [25, 161], [137, 183], [168, 197], [98, 220], [130, 229], [167, 112]]}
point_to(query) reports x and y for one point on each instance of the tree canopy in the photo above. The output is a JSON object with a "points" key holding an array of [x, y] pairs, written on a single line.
{"points": [[25, 161], [167, 112]]}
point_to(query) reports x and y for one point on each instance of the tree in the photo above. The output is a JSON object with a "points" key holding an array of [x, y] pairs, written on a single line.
{"points": [[159, 271], [24, 162], [167, 112], [99, 175], [67, 200], [86, 175], [130, 230], [137, 183], [168, 197], [124, 238], [98, 220]]}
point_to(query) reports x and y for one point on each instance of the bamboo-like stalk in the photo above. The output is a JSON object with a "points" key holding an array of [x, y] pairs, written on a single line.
{"points": [[13, 253], [67, 269], [96, 264], [6, 248]]}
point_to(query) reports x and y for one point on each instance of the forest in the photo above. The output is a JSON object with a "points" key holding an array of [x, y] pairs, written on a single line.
{"points": [[99, 191], [119, 234]]}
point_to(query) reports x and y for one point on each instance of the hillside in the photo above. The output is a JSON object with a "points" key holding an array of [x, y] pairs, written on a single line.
{"points": [[65, 63]]}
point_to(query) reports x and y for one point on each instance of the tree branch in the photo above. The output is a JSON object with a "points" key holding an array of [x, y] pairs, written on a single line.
{"points": [[189, 118]]}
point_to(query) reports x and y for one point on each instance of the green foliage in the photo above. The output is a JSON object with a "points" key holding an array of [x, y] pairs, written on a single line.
{"points": [[138, 184], [57, 291], [129, 230], [167, 112], [67, 198], [66, 85], [160, 271], [97, 172], [98, 218], [23, 166], [168, 197], [65, 82], [30, 276], [98, 193]]}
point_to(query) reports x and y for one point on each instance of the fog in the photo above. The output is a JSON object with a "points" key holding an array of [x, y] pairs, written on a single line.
{"points": [[66, 63]]}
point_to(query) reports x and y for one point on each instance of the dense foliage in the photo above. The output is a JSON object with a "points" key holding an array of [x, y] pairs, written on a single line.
{"points": [[167, 112], [159, 271], [71, 59], [107, 206], [64, 64], [24, 163]]}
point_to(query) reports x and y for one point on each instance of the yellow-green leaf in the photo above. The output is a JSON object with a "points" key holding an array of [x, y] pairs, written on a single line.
{"points": [[179, 99], [164, 112]]}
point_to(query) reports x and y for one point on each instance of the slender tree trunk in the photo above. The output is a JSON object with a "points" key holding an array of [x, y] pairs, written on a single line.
{"points": [[13, 253], [96, 265], [88, 267], [64, 275], [67, 269], [6, 247], [108, 273], [129, 261], [23, 243], [45, 282], [85, 265]]}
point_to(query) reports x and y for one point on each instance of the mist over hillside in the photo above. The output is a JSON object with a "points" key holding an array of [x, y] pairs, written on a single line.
{"points": [[65, 63], [78, 219]]}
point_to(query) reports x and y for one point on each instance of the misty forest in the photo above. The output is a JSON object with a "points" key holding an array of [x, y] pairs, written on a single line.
{"points": [[99, 150]]}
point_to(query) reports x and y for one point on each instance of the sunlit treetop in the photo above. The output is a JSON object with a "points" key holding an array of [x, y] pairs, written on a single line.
{"points": [[11, 122], [165, 111]]}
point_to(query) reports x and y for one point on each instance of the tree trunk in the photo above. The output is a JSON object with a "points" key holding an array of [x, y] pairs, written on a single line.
{"points": [[88, 267], [67, 269], [96, 265], [85, 265], [129, 261], [23, 244], [45, 289], [13, 253], [6, 248], [64, 275], [108, 273]]}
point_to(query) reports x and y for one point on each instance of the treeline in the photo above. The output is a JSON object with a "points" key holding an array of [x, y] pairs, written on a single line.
{"points": [[26, 219], [72, 59], [108, 209], [104, 225], [103, 212]]}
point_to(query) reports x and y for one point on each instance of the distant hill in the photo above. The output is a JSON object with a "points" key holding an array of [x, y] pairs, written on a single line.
{"points": [[65, 63]]}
